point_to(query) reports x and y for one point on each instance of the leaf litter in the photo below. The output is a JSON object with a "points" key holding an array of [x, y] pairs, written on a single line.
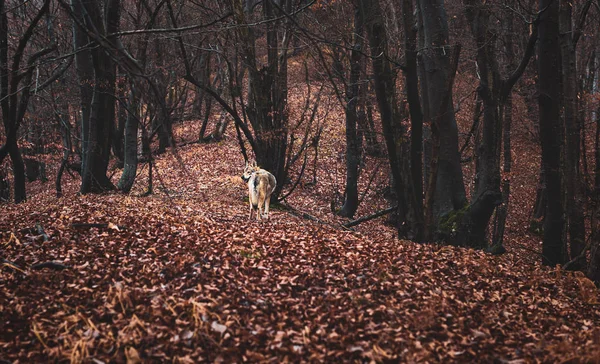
{"points": [[186, 277]]}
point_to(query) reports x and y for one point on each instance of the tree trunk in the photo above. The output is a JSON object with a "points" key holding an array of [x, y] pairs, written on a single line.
{"points": [[427, 146], [205, 77], [373, 147], [207, 111], [267, 97], [502, 212], [4, 187], [574, 193], [98, 128], [553, 247], [352, 142], [506, 112], [594, 266], [162, 123], [16, 159], [384, 91], [435, 56], [16, 81], [487, 193], [118, 146], [416, 116], [131, 143], [65, 131], [85, 74]]}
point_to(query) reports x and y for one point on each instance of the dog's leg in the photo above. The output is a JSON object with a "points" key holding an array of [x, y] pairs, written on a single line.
{"points": [[258, 212], [267, 203], [260, 207]]}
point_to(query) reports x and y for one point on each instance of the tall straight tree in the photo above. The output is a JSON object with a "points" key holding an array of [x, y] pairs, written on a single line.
{"points": [[130, 160], [15, 89], [594, 267], [385, 93], [436, 61], [352, 138], [549, 86], [494, 91], [97, 75], [569, 36], [132, 123], [416, 115]]}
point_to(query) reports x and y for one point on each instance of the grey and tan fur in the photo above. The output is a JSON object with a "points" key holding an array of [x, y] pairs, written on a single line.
{"points": [[261, 184]]}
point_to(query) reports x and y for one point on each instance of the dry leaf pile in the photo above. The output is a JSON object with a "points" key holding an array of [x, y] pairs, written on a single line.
{"points": [[183, 276]]}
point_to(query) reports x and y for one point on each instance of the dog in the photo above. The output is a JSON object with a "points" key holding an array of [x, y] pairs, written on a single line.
{"points": [[261, 184]]}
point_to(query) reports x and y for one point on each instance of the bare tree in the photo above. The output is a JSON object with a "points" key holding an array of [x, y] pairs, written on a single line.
{"points": [[553, 248], [16, 86]]}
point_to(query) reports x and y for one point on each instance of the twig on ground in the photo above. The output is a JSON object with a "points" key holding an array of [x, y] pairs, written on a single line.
{"points": [[370, 217], [307, 216]]}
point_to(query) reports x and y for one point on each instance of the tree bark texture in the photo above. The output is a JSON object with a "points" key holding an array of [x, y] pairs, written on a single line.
{"points": [[574, 194], [130, 161], [384, 90], [15, 91], [266, 108], [435, 56], [352, 138], [416, 115], [96, 65], [553, 247]]}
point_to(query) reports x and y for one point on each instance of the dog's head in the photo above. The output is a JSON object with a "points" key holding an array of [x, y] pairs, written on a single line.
{"points": [[251, 167]]}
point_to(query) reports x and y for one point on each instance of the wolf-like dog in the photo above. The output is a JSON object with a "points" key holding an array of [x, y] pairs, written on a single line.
{"points": [[261, 184]]}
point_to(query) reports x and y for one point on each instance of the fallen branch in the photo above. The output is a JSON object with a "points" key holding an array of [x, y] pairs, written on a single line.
{"points": [[370, 217], [297, 181], [52, 265], [304, 215], [11, 265], [96, 225], [582, 255]]}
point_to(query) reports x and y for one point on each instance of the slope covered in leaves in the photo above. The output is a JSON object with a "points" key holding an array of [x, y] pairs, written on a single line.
{"points": [[184, 276]]}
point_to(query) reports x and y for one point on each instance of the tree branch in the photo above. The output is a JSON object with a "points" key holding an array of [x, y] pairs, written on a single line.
{"points": [[370, 217], [224, 105], [581, 22], [529, 50]]}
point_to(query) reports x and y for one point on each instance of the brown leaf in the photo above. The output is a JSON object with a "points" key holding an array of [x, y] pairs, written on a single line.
{"points": [[132, 355]]}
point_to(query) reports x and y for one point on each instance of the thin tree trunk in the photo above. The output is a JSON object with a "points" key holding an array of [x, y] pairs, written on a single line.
{"points": [[384, 86], [593, 271], [352, 143], [416, 117], [575, 218], [16, 159], [131, 143], [373, 147], [118, 147], [207, 100], [553, 247], [506, 109], [65, 129], [502, 211], [98, 128]]}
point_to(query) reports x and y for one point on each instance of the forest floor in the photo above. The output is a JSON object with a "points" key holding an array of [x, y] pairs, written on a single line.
{"points": [[184, 276]]}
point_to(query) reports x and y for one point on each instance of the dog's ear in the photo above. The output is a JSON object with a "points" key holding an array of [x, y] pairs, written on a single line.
{"points": [[253, 163]]}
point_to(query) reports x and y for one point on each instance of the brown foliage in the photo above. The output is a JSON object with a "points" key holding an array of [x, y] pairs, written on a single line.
{"points": [[189, 278]]}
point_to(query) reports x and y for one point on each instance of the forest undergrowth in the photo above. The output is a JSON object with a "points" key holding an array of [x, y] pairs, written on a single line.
{"points": [[183, 276]]}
